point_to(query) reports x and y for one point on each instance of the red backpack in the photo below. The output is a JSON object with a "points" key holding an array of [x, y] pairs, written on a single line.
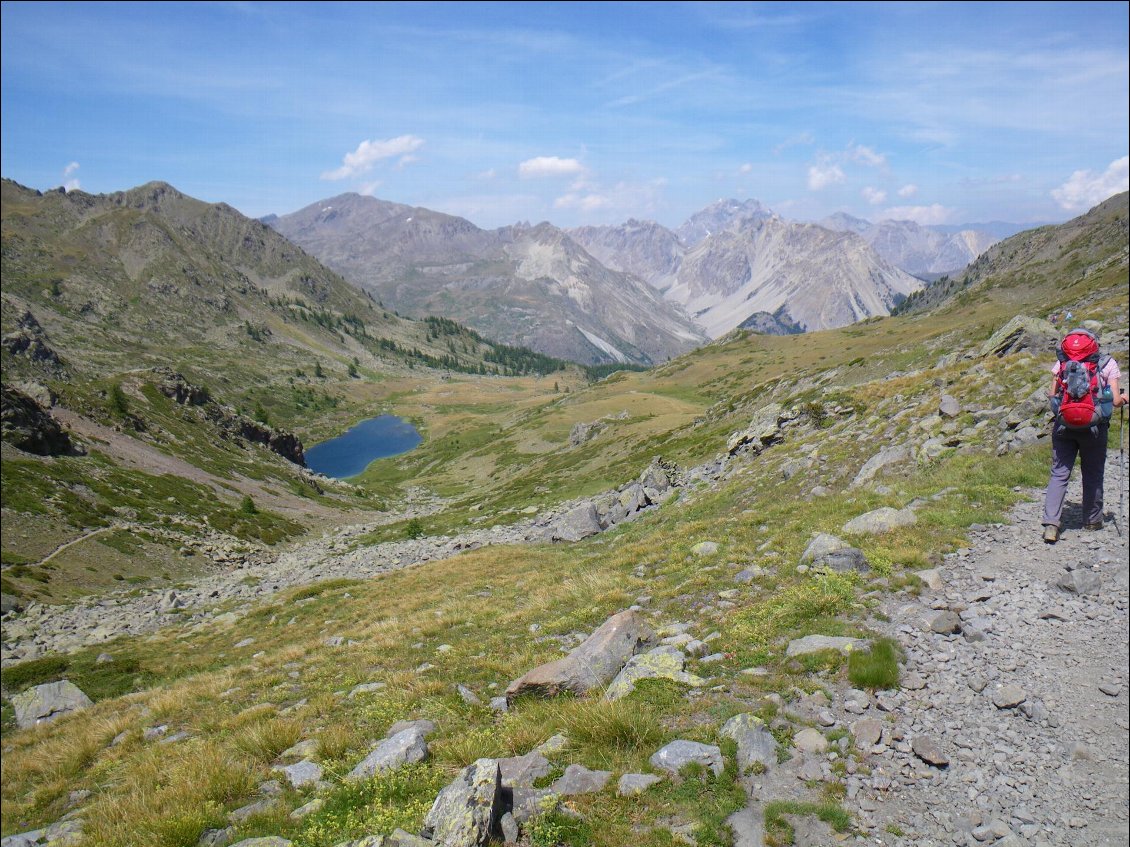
{"points": [[1079, 384]]}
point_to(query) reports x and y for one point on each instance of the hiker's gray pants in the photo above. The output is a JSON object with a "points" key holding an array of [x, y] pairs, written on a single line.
{"points": [[1090, 448]]}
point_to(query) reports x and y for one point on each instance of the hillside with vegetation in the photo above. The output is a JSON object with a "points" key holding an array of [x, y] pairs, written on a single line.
{"points": [[806, 539]]}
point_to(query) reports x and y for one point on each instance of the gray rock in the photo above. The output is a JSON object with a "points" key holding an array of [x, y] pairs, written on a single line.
{"points": [[397, 838], [821, 545], [264, 841], [763, 430], [665, 662], [705, 548], [880, 521], [48, 702], [578, 779], [816, 643], [403, 748], [843, 561], [927, 749], [302, 773], [468, 696], [867, 732], [946, 623], [215, 837], [631, 784], [886, 456], [593, 664], [948, 407], [424, 726], [678, 754], [522, 771], [1081, 581], [756, 744], [307, 809], [810, 741], [1020, 334], [259, 807], [509, 827], [1009, 696], [467, 810], [580, 522]]}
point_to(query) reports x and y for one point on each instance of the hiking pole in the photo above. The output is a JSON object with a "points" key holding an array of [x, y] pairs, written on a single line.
{"points": [[1121, 465]]}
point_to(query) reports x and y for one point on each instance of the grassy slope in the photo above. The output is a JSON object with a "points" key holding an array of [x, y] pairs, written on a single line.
{"points": [[485, 603]]}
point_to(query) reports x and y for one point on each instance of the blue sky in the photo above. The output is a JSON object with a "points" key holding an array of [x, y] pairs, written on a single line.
{"points": [[578, 112]]}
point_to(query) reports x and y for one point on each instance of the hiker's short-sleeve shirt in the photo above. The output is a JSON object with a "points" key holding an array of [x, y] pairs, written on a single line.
{"points": [[1110, 371]]}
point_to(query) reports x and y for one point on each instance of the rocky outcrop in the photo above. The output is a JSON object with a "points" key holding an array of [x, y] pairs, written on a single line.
{"points": [[763, 430], [48, 702], [1022, 334], [466, 812], [27, 425], [30, 341], [591, 665]]}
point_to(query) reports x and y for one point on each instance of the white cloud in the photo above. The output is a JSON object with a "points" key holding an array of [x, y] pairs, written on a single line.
{"points": [[368, 153], [804, 139], [1086, 188], [874, 196], [584, 202], [867, 156], [71, 184], [922, 215], [549, 166], [488, 174], [369, 188], [908, 190], [746, 168], [632, 197], [824, 174]]}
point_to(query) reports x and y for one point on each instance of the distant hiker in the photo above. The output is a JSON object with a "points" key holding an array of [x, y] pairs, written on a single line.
{"points": [[1084, 394]]}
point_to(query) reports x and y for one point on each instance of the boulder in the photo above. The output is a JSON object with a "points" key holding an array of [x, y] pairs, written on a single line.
{"points": [[578, 779], [48, 702], [879, 521], [631, 784], [466, 812], [592, 664], [886, 456], [28, 426], [666, 662], [816, 643], [763, 430], [403, 748], [523, 771], [578, 523], [1022, 334], [756, 744], [678, 754], [821, 544]]}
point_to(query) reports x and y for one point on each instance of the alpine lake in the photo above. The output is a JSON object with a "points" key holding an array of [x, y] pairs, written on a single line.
{"points": [[350, 453]]}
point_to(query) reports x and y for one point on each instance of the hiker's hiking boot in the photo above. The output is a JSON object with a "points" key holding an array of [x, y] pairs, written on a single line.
{"points": [[1051, 534], [1094, 526]]}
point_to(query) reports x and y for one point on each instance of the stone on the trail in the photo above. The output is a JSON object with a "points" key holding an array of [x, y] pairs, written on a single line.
{"points": [[927, 749], [886, 456], [879, 521], [678, 754], [816, 643], [867, 732], [264, 841], [580, 780], [48, 702], [946, 623], [756, 744], [705, 548], [948, 407], [665, 662], [1081, 582], [1009, 696], [932, 578], [404, 748], [631, 784], [810, 741], [580, 522], [1110, 689], [303, 773], [522, 771], [467, 810], [593, 664]]}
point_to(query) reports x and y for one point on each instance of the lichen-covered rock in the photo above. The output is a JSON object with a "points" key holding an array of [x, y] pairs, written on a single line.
{"points": [[879, 521], [48, 702], [523, 771], [756, 744], [466, 812], [578, 779], [1022, 333], [403, 748], [816, 643], [578, 523], [593, 664], [763, 430], [665, 662], [678, 754]]}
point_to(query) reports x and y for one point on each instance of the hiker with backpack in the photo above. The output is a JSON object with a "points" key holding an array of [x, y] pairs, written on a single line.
{"points": [[1085, 392]]}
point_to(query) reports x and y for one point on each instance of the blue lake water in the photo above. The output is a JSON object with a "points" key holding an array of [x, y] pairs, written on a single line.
{"points": [[349, 454]]}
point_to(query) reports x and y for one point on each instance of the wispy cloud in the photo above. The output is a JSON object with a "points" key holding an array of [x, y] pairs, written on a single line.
{"points": [[368, 153], [1085, 189], [908, 190], [541, 166], [922, 215], [631, 197], [823, 174], [70, 184], [866, 156], [874, 196], [802, 139]]}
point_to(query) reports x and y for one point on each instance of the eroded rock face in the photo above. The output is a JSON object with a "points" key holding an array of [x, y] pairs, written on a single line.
{"points": [[48, 702], [1022, 333], [466, 812], [30, 341], [593, 664], [27, 425]]}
